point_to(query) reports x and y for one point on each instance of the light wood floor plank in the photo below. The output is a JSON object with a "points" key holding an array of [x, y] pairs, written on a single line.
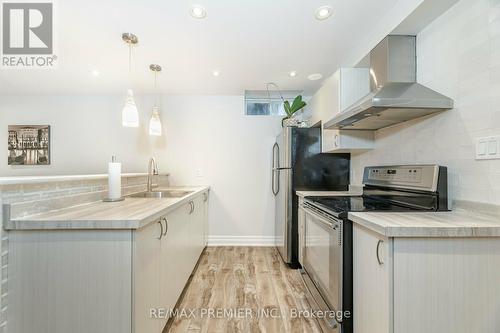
{"points": [[252, 280]]}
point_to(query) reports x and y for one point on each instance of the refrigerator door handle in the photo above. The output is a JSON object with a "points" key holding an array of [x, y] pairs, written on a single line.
{"points": [[276, 153]]}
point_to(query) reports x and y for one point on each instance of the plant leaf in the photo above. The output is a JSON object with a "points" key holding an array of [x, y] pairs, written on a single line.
{"points": [[288, 109], [297, 104]]}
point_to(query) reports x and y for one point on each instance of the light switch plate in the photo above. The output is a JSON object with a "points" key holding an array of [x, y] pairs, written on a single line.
{"points": [[488, 148], [199, 172]]}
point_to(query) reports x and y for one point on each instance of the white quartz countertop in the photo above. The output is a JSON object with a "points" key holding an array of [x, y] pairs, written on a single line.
{"points": [[457, 223], [132, 213]]}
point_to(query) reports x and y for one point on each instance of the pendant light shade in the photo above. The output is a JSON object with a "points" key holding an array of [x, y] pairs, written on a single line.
{"points": [[130, 115], [155, 127], [155, 122]]}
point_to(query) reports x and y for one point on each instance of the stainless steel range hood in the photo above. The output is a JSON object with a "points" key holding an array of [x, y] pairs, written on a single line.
{"points": [[396, 96]]}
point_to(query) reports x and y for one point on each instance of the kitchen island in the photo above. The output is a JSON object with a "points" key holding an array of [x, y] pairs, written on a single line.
{"points": [[103, 267]]}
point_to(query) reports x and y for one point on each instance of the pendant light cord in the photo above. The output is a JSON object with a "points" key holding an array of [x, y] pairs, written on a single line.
{"points": [[156, 90], [277, 88], [129, 58]]}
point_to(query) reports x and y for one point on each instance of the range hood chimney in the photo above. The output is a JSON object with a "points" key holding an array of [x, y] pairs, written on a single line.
{"points": [[395, 95]]}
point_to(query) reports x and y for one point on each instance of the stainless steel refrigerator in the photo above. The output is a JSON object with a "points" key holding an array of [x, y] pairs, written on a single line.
{"points": [[299, 165]]}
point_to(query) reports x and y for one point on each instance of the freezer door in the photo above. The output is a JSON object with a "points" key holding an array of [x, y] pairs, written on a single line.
{"points": [[284, 141], [283, 223]]}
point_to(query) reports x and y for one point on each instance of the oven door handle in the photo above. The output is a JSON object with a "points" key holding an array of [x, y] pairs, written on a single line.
{"points": [[322, 218]]}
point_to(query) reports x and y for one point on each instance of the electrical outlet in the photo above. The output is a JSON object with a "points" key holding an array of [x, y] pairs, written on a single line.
{"points": [[488, 148]]}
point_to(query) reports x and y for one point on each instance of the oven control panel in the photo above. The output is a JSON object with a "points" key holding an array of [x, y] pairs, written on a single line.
{"points": [[406, 175], [420, 177]]}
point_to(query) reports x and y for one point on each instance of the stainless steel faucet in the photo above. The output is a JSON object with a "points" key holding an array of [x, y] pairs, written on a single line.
{"points": [[152, 171]]}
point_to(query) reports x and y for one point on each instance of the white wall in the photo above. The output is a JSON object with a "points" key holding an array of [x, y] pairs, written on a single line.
{"points": [[85, 132], [232, 152], [459, 56]]}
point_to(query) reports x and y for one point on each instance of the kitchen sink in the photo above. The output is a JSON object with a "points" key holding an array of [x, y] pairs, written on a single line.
{"points": [[161, 194]]}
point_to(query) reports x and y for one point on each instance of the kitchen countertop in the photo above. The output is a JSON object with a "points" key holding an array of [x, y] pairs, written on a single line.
{"points": [[457, 223], [132, 213]]}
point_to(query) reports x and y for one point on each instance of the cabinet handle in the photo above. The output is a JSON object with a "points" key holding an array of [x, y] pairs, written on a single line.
{"points": [[205, 197], [336, 140], [161, 230], [192, 207], [380, 262], [166, 225]]}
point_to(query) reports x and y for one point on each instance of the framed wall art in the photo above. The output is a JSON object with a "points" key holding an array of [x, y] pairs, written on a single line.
{"points": [[29, 145]]}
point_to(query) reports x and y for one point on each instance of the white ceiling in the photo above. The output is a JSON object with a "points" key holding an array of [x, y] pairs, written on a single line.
{"points": [[250, 42]]}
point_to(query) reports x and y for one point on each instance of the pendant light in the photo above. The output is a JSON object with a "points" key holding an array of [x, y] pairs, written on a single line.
{"points": [[130, 114], [155, 121]]}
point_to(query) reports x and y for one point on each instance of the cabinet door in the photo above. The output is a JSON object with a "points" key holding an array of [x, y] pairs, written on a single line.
{"points": [[338, 141], [372, 291], [147, 277], [447, 285], [173, 257], [205, 219], [354, 85], [325, 103], [197, 227]]}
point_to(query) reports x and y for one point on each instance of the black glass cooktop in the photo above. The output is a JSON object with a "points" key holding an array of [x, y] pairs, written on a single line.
{"points": [[342, 205]]}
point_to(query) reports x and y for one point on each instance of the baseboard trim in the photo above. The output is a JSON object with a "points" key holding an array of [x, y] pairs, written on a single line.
{"points": [[241, 241]]}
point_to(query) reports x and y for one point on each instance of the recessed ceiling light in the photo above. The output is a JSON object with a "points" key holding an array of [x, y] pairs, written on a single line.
{"points": [[293, 74], [215, 73], [198, 11], [323, 12], [95, 72], [315, 77]]}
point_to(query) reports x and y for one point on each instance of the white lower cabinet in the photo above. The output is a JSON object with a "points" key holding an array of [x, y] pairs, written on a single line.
{"points": [[103, 281], [431, 285], [197, 216], [146, 277], [371, 282], [205, 218], [175, 269], [162, 275]]}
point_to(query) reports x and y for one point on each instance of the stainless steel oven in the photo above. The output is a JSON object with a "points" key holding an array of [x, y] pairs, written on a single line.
{"points": [[323, 260], [327, 240]]}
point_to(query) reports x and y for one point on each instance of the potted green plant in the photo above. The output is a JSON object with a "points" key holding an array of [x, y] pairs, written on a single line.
{"points": [[297, 105]]}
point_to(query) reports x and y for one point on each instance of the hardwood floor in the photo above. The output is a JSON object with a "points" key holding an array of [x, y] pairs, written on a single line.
{"points": [[253, 285]]}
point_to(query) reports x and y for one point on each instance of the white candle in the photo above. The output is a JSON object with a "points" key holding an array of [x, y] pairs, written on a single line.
{"points": [[114, 179]]}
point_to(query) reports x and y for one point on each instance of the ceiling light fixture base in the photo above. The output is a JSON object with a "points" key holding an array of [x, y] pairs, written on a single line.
{"points": [[323, 12], [155, 68], [315, 77], [130, 38]]}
